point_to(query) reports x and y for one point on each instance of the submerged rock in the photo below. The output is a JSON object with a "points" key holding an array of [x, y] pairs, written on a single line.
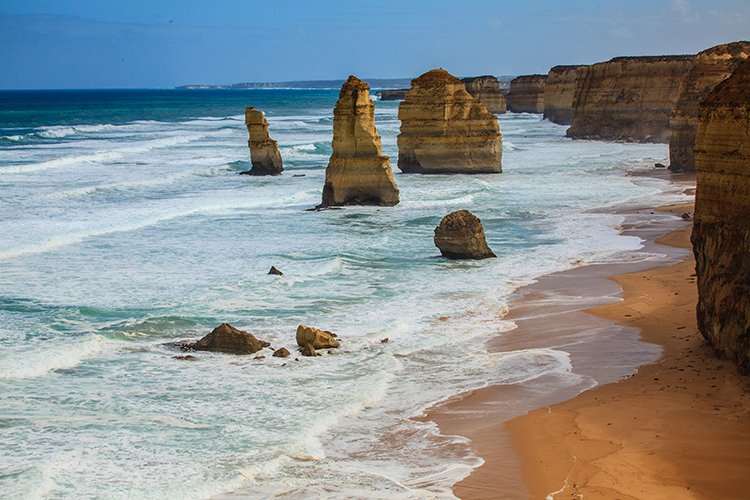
{"points": [[264, 151], [318, 339], [186, 357], [460, 236], [282, 352], [226, 338], [445, 130], [487, 90], [526, 94], [358, 173], [275, 271], [308, 350]]}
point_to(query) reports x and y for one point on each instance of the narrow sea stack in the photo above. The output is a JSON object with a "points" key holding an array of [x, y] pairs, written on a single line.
{"points": [[711, 67], [487, 90], [445, 130], [460, 235], [560, 91], [526, 94], [721, 227], [358, 173], [264, 151], [628, 99]]}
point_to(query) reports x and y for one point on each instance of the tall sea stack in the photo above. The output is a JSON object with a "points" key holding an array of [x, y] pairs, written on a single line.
{"points": [[264, 151], [358, 173], [559, 92], [487, 90], [721, 228], [445, 130], [628, 99], [710, 67], [526, 94]]}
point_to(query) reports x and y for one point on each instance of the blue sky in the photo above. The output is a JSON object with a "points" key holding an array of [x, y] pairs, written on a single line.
{"points": [[153, 43]]}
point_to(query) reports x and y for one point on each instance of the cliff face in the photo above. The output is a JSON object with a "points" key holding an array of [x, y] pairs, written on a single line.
{"points": [[721, 228], [445, 130], [264, 151], [711, 67], [357, 173], [487, 90], [628, 99], [526, 94], [559, 92]]}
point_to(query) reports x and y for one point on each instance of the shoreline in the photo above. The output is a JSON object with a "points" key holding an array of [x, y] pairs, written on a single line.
{"points": [[544, 320]]}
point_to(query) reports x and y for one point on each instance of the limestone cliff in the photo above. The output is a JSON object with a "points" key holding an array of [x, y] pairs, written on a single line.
{"points": [[357, 173], [264, 151], [559, 91], [445, 130], [628, 99], [721, 228], [526, 94], [710, 67], [487, 90]]}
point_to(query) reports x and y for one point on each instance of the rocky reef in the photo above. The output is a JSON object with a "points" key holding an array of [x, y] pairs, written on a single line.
{"points": [[710, 67], [487, 90], [526, 94], [628, 98], [226, 338], [721, 227], [445, 130], [358, 173], [560, 91], [460, 235], [392, 95], [264, 151]]}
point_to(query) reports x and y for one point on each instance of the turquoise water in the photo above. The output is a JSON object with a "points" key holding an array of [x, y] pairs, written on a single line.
{"points": [[125, 226]]}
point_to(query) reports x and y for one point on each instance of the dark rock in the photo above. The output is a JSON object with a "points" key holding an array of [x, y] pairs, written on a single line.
{"points": [[460, 236], [282, 352], [659, 165], [385, 340], [186, 357], [275, 271], [226, 338], [686, 216], [308, 350]]}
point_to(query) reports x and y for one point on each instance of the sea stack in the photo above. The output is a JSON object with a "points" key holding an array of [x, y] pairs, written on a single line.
{"points": [[721, 227], [628, 99], [526, 94], [460, 235], [357, 173], [264, 151], [487, 90], [710, 67], [445, 130], [560, 91]]}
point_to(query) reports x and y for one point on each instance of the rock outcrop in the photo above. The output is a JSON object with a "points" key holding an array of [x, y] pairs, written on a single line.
{"points": [[318, 339], [487, 90], [628, 99], [710, 67], [526, 94], [392, 95], [721, 227], [460, 236], [559, 92], [445, 130], [281, 352], [264, 151], [358, 173], [226, 338]]}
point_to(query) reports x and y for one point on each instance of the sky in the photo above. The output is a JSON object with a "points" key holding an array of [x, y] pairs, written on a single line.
{"points": [[164, 43]]}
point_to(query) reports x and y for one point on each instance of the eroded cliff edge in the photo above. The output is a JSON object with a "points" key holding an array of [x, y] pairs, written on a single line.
{"points": [[721, 229], [628, 98], [526, 94], [560, 91]]}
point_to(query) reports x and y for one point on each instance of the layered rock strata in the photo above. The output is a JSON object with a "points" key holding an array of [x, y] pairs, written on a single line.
{"points": [[710, 67], [264, 151], [445, 130], [560, 91], [358, 173], [628, 99], [487, 90], [460, 235], [526, 94], [721, 228]]}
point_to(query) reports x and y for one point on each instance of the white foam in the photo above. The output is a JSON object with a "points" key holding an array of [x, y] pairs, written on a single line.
{"points": [[43, 359]]}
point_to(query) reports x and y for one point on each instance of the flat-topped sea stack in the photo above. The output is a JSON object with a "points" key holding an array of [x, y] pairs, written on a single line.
{"points": [[358, 173], [526, 94], [487, 90], [721, 227], [711, 67], [560, 91], [264, 151], [445, 130], [628, 99]]}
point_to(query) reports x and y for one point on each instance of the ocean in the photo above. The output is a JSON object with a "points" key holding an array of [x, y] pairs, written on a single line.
{"points": [[124, 227]]}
